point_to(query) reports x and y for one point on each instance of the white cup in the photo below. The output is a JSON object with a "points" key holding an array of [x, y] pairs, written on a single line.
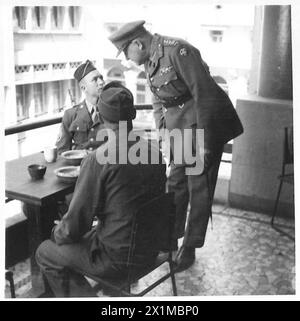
{"points": [[50, 154]]}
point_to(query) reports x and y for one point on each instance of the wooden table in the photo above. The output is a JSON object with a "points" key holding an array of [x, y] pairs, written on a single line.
{"points": [[40, 201]]}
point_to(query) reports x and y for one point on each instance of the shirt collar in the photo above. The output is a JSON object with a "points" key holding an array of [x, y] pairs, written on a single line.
{"points": [[89, 106]]}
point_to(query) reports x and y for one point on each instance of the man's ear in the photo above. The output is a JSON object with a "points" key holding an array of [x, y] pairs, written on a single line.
{"points": [[82, 86], [139, 44]]}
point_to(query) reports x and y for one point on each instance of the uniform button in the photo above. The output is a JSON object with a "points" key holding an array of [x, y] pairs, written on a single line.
{"points": [[166, 83], [158, 89], [92, 129], [91, 148], [92, 139]]}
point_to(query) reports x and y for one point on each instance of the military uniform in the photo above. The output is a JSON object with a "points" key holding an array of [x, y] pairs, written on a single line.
{"points": [[78, 131], [186, 96], [112, 191]]}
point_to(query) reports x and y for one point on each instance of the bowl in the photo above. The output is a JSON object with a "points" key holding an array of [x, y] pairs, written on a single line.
{"points": [[67, 174], [37, 171], [74, 157]]}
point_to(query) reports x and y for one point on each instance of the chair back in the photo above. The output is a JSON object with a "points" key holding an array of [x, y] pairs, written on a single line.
{"points": [[288, 151], [152, 230]]}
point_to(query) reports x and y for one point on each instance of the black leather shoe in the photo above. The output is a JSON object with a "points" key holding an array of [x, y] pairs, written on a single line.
{"points": [[185, 258]]}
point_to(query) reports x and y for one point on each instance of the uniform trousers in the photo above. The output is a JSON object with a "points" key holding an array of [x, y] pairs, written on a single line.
{"points": [[198, 191], [64, 266]]}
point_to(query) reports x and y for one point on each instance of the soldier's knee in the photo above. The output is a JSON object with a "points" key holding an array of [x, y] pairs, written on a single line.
{"points": [[42, 252]]}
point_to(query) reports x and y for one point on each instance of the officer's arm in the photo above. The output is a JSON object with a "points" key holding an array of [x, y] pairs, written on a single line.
{"points": [[84, 206], [191, 69], [64, 139], [194, 72]]}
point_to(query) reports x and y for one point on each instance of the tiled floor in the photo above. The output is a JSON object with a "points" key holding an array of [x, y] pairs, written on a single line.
{"points": [[243, 255]]}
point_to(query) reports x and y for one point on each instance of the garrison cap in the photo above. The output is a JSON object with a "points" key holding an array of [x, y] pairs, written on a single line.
{"points": [[83, 70], [128, 32], [116, 104]]}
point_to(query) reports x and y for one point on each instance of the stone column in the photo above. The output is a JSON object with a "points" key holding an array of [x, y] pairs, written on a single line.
{"points": [[276, 56], [257, 153]]}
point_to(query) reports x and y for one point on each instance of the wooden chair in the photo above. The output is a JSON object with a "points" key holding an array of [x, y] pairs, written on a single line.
{"points": [[288, 159], [153, 221]]}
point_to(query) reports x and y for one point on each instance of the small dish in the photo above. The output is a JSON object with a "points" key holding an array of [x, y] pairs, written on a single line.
{"points": [[36, 171]]}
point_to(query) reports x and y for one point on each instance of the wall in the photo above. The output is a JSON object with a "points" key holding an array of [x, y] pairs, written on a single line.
{"points": [[257, 155]]}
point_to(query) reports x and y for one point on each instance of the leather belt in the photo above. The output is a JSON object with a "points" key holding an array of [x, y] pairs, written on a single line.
{"points": [[174, 102]]}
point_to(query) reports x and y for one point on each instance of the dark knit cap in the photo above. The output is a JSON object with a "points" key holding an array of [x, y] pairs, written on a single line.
{"points": [[116, 104]]}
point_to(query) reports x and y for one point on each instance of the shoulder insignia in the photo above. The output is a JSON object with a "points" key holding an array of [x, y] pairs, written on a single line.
{"points": [[80, 105], [170, 42], [183, 51], [165, 70]]}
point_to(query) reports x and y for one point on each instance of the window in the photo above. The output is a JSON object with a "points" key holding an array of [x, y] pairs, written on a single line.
{"points": [[57, 17], [56, 93], [22, 101], [74, 92], [74, 16], [20, 14], [39, 17], [216, 35], [40, 107], [116, 73], [141, 88]]}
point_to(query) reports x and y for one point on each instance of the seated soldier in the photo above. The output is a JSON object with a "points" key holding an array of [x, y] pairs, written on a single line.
{"points": [[110, 190], [81, 123]]}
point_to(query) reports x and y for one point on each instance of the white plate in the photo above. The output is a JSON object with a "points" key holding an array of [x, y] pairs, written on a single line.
{"points": [[74, 154], [67, 171]]}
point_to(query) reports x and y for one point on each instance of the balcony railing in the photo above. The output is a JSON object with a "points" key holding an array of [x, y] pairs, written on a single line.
{"points": [[56, 120], [19, 128]]}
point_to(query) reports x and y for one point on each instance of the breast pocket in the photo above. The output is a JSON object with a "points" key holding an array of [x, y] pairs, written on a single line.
{"points": [[79, 132], [165, 84]]}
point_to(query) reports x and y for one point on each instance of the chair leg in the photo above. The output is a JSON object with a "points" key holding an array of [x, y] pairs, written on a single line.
{"points": [[276, 203], [171, 265], [10, 279]]}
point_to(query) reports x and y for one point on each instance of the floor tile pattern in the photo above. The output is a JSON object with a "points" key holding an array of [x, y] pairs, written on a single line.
{"points": [[243, 255]]}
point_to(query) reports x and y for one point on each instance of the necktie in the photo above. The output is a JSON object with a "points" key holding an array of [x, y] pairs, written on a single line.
{"points": [[93, 113]]}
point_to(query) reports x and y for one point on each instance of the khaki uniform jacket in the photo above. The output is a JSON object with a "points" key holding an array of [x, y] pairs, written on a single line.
{"points": [[77, 130], [112, 193], [185, 95]]}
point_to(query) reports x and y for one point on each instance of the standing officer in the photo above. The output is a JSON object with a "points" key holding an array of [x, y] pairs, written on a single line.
{"points": [[185, 97], [81, 123]]}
